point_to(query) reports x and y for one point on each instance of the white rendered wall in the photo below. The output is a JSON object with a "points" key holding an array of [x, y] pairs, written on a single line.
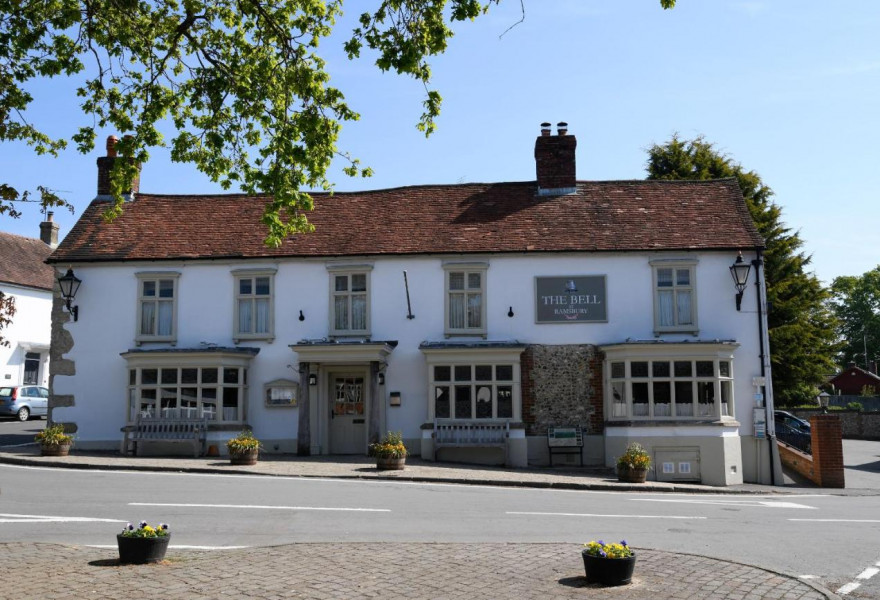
{"points": [[106, 326], [30, 331]]}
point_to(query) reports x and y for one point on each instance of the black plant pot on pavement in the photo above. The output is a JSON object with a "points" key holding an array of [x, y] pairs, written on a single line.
{"points": [[139, 551], [609, 571]]}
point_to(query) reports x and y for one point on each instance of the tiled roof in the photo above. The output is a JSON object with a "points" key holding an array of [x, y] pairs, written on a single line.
{"points": [[431, 219], [22, 262]]}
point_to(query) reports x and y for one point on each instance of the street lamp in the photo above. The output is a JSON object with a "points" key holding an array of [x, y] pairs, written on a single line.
{"points": [[69, 287], [739, 270], [823, 399]]}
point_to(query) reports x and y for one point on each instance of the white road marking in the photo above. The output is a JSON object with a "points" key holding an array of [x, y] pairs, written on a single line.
{"points": [[257, 506], [838, 520], [14, 518], [728, 502], [550, 514], [864, 576], [174, 546], [808, 577], [848, 588]]}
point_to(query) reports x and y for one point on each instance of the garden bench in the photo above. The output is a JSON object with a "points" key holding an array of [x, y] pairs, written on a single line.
{"points": [[565, 440], [187, 430], [451, 433]]}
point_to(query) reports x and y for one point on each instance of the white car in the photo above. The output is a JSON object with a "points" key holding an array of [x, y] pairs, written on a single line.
{"points": [[24, 401]]}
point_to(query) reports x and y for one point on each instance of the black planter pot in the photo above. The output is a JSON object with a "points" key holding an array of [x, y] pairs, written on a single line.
{"points": [[609, 571], [139, 551]]}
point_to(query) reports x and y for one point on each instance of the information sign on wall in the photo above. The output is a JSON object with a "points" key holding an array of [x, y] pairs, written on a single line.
{"points": [[571, 299]]}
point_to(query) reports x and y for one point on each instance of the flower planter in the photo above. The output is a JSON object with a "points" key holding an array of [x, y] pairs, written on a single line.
{"points": [[390, 464], [608, 571], [54, 449], [139, 551], [632, 475], [248, 457]]}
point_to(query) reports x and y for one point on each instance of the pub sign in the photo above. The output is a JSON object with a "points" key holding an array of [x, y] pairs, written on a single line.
{"points": [[570, 299]]}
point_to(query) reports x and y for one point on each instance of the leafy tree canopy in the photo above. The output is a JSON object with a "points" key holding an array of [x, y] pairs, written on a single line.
{"points": [[242, 81], [856, 302], [799, 322]]}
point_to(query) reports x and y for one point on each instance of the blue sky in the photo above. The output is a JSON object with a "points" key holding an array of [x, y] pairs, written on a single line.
{"points": [[788, 89]]}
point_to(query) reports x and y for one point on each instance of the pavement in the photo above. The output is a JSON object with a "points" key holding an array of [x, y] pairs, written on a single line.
{"points": [[380, 570]]}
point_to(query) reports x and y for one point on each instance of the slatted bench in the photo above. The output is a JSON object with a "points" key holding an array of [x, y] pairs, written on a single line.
{"points": [[165, 430], [565, 440], [452, 433]]}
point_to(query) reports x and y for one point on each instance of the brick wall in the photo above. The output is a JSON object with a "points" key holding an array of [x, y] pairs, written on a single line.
{"points": [[825, 466]]}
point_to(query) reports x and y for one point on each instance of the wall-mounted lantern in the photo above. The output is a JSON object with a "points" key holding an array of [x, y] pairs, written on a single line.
{"points": [[380, 379], [69, 287], [739, 270], [313, 379]]}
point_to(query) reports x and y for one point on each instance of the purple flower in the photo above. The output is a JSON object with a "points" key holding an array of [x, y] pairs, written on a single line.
{"points": [[601, 543], [130, 527], [142, 524], [163, 526], [602, 554], [623, 542]]}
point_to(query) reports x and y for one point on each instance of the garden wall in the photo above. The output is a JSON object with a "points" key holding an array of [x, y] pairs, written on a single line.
{"points": [[855, 425]]}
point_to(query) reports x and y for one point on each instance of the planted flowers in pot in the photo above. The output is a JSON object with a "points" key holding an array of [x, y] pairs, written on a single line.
{"points": [[608, 564], [244, 448], [53, 441], [633, 465], [390, 452], [143, 545]]}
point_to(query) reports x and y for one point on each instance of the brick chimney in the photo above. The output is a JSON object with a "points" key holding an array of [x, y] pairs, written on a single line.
{"points": [[555, 161], [49, 231], [105, 165]]}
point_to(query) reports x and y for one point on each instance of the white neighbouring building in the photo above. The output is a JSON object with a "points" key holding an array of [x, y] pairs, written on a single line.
{"points": [[28, 280], [604, 305]]}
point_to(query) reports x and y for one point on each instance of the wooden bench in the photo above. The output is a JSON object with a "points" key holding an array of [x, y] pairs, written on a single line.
{"points": [[452, 433], [165, 430], [565, 440]]}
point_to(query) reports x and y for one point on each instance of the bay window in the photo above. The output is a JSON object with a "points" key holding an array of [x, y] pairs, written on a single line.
{"points": [[211, 384], [669, 381]]}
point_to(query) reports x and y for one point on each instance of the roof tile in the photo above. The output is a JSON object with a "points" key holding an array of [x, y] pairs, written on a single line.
{"points": [[432, 219]]}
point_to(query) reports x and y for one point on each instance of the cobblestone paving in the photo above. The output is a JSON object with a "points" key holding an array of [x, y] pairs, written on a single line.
{"points": [[412, 571]]}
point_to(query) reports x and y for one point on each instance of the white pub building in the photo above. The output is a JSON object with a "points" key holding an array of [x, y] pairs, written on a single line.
{"points": [[440, 311]]}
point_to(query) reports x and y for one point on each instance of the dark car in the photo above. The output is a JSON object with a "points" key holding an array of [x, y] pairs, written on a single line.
{"points": [[793, 430], [23, 401]]}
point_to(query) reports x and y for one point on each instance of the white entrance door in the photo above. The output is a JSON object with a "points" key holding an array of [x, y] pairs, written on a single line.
{"points": [[348, 429]]}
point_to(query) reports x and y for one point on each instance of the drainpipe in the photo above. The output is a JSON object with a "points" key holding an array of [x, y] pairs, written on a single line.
{"points": [[764, 346]]}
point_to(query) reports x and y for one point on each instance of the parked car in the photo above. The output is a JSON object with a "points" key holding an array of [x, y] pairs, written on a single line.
{"points": [[788, 419], [24, 401], [793, 430]]}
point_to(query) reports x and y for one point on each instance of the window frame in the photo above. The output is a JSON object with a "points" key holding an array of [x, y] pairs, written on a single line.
{"points": [[238, 298], [156, 277], [139, 361], [456, 357], [348, 271], [676, 264], [627, 354], [465, 268]]}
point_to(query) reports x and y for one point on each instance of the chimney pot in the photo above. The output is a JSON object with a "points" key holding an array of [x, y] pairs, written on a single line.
{"points": [[111, 145], [545, 128], [105, 166], [562, 128], [49, 231]]}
